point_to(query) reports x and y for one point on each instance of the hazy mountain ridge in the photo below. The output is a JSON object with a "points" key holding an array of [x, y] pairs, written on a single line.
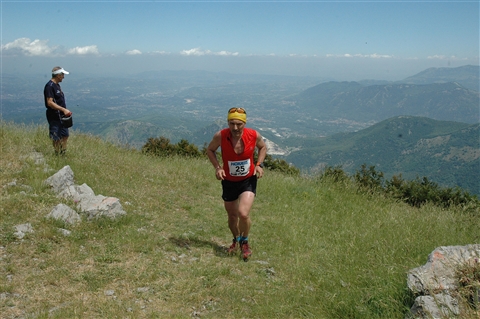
{"points": [[466, 75], [441, 101]]}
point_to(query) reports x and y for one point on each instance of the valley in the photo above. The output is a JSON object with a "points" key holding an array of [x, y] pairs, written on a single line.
{"points": [[310, 122]]}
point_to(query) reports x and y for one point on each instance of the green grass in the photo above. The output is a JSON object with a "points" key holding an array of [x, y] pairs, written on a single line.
{"points": [[321, 250]]}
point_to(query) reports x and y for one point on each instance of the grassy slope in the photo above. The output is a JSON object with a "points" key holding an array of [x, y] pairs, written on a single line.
{"points": [[321, 250]]}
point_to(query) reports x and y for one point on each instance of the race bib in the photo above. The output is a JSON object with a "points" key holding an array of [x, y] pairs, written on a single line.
{"points": [[239, 168]]}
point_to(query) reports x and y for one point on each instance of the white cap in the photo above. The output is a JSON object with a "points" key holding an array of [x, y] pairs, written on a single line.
{"points": [[61, 70]]}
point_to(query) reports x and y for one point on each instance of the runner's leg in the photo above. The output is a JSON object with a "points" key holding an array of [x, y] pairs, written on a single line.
{"points": [[232, 212], [245, 202]]}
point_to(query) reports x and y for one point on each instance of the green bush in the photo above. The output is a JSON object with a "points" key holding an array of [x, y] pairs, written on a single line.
{"points": [[336, 174], [280, 165], [420, 191], [161, 147], [184, 148], [416, 192], [158, 146], [369, 179]]}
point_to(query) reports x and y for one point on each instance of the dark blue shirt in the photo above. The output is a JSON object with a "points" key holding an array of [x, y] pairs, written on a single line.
{"points": [[54, 91]]}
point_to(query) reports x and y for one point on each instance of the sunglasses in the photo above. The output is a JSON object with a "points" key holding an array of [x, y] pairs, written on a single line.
{"points": [[238, 110]]}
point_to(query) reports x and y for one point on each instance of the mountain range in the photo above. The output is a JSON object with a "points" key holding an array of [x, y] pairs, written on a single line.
{"points": [[466, 76], [353, 101]]}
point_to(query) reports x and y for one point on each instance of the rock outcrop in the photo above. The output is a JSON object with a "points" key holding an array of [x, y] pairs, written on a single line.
{"points": [[436, 283], [93, 206]]}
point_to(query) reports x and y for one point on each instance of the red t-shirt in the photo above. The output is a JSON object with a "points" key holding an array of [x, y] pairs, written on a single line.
{"points": [[238, 167]]}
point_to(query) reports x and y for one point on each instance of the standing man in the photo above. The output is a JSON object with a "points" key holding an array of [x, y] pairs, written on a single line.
{"points": [[238, 174], [56, 106]]}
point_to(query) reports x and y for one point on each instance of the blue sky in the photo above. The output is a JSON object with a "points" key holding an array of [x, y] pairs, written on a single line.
{"points": [[343, 40]]}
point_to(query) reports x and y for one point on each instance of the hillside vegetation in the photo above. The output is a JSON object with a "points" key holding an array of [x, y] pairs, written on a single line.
{"points": [[444, 151], [320, 249]]}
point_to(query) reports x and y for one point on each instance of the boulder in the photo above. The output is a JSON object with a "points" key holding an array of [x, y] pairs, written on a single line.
{"points": [[438, 274], [94, 206], [436, 306], [65, 213], [436, 284], [98, 206], [61, 179], [77, 193]]}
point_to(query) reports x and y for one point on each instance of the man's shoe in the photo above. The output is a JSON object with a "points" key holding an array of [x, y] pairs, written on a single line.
{"points": [[233, 247], [246, 252]]}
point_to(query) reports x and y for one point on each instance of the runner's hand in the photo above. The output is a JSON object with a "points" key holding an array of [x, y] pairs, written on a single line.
{"points": [[220, 174], [259, 171]]}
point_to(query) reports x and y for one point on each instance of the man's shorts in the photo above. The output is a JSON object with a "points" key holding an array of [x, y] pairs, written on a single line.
{"points": [[57, 131], [232, 190]]}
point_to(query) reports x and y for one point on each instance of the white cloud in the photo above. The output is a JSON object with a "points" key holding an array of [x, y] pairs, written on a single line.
{"points": [[26, 47], [133, 52], [160, 52], [379, 56], [30, 48], [441, 57], [91, 49], [358, 55], [194, 51], [200, 52], [227, 53], [444, 57]]}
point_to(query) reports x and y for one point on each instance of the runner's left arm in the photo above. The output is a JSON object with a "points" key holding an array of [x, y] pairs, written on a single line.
{"points": [[262, 153]]}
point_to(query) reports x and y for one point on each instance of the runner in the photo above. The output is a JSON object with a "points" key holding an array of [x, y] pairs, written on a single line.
{"points": [[238, 174]]}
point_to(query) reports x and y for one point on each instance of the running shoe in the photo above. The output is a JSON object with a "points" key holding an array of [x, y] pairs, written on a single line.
{"points": [[233, 247], [246, 252]]}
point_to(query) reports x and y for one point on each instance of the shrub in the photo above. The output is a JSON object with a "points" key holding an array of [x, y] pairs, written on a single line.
{"points": [[336, 174], [280, 165], [184, 148], [415, 192], [158, 146], [161, 147], [421, 191], [369, 179]]}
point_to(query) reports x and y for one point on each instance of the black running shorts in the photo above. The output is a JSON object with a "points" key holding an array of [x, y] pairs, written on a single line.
{"points": [[232, 190]]}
